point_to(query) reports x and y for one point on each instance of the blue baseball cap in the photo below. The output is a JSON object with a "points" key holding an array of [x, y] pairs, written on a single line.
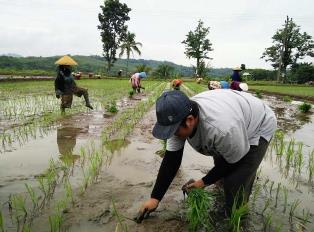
{"points": [[171, 108]]}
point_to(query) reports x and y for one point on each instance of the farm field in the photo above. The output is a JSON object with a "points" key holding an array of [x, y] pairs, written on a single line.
{"points": [[89, 170]]}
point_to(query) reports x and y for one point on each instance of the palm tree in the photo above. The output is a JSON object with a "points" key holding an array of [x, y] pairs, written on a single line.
{"points": [[129, 46]]}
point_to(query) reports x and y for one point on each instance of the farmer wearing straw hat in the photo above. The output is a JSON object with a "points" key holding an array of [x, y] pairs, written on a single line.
{"points": [[231, 126], [136, 81], [65, 85], [236, 74]]}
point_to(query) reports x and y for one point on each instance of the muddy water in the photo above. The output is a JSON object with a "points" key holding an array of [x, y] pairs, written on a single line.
{"points": [[23, 163], [127, 178]]}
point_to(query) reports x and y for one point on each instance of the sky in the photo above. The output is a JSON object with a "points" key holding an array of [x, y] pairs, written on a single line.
{"points": [[239, 30]]}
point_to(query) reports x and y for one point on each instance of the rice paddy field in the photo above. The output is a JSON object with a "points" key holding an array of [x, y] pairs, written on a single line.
{"points": [[90, 170]]}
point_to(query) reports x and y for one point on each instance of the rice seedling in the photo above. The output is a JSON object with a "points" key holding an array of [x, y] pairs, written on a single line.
{"points": [[256, 192], [277, 194], [268, 221], [69, 191], [258, 94], [311, 166], [112, 107], [266, 205], [298, 163], [290, 153], [119, 218], [19, 211], [305, 107], [239, 210], [285, 191], [198, 203], [286, 99], [278, 227], [1, 222], [293, 208], [271, 188]]}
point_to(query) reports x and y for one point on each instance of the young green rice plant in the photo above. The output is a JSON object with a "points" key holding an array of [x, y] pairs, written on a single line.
{"points": [[305, 107], [131, 93], [18, 204], [1, 222], [298, 160], [278, 227], [286, 99], [279, 142], [311, 166], [266, 205], [112, 107], [268, 221], [285, 192], [238, 212], [119, 218], [56, 220], [256, 192], [271, 188], [69, 191], [258, 94], [293, 208], [198, 203], [277, 194], [290, 153]]}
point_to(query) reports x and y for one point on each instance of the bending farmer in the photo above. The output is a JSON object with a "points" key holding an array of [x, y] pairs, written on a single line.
{"points": [[65, 85], [233, 127], [136, 81], [176, 83]]}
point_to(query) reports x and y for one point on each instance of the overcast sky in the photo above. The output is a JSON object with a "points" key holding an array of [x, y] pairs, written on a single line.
{"points": [[239, 30]]}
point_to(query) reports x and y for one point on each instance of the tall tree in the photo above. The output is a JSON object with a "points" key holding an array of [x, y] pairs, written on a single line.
{"points": [[112, 28], [197, 45], [164, 70], [289, 45], [129, 46]]}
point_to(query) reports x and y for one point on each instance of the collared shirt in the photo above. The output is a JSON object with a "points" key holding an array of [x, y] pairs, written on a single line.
{"points": [[229, 122]]}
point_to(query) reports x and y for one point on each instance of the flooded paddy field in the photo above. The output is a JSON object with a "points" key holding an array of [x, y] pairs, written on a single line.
{"points": [[91, 170]]}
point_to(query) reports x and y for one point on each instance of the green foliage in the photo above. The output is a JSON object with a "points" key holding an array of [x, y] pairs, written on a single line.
{"points": [[112, 28], [305, 107], [258, 94], [197, 45], [238, 211], [164, 71], [112, 107], [286, 98], [198, 202], [143, 68], [131, 93], [289, 45], [302, 73], [262, 74], [129, 46]]}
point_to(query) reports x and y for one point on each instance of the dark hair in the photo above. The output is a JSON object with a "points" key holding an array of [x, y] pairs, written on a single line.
{"points": [[194, 113]]}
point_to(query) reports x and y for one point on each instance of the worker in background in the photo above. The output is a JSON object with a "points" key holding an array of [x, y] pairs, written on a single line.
{"points": [[136, 81], [176, 83], [65, 85]]}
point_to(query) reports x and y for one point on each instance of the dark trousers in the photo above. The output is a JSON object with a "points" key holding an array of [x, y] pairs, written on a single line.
{"points": [[238, 184]]}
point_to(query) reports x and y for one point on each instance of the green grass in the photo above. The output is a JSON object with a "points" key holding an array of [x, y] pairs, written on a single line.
{"points": [[293, 90]]}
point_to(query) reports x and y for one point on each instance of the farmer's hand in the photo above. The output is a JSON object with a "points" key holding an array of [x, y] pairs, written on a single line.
{"points": [[193, 184], [148, 207]]}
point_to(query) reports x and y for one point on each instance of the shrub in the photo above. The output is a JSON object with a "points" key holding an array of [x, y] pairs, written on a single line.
{"points": [[305, 107]]}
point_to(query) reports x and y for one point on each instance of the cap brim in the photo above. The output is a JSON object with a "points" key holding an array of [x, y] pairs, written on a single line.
{"points": [[165, 132]]}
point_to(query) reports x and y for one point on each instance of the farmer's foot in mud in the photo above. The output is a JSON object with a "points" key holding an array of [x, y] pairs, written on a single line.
{"points": [[89, 106]]}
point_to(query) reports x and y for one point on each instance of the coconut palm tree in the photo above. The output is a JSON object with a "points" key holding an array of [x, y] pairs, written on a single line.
{"points": [[129, 46]]}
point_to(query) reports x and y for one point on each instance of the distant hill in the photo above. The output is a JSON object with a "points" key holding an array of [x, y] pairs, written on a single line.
{"points": [[14, 63]]}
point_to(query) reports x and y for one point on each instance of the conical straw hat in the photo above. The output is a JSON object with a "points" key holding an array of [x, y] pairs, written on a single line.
{"points": [[237, 69], [66, 60]]}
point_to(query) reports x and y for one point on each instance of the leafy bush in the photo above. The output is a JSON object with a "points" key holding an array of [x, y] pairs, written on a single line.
{"points": [[305, 107], [258, 94]]}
